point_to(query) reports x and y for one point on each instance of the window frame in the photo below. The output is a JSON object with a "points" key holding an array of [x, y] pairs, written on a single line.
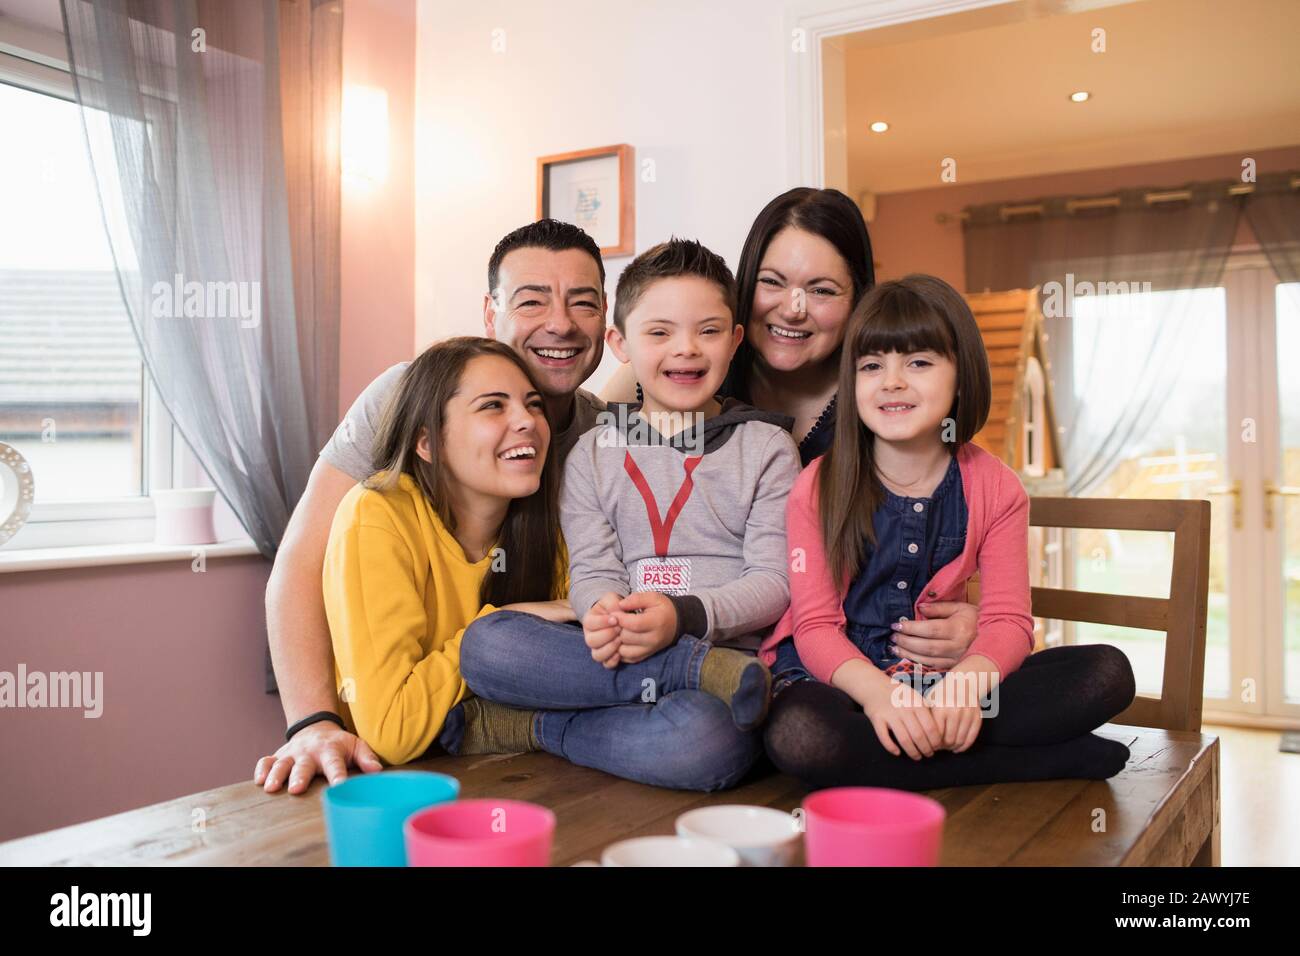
{"points": [[34, 60]]}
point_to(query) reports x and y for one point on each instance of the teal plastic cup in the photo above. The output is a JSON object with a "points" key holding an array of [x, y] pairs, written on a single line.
{"points": [[364, 814]]}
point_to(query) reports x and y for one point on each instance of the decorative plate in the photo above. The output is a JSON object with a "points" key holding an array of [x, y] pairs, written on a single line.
{"points": [[17, 491]]}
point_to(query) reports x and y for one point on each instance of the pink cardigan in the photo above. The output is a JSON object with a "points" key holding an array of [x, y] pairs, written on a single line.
{"points": [[997, 546]]}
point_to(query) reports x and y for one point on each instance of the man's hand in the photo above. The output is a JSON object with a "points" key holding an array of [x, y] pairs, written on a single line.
{"points": [[649, 623], [941, 639], [601, 630], [323, 748]]}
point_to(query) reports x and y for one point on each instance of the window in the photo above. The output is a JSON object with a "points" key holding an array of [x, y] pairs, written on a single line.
{"points": [[71, 378], [1034, 435], [75, 399]]}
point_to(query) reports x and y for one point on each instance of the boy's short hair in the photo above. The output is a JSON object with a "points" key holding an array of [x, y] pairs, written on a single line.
{"points": [[668, 260]]}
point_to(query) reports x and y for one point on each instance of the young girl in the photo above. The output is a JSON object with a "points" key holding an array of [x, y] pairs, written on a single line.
{"points": [[902, 510]]}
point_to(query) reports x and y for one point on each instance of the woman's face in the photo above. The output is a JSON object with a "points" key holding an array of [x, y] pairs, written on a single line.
{"points": [[495, 436], [802, 301]]}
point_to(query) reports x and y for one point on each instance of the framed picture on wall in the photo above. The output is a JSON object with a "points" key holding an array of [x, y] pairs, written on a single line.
{"points": [[593, 189]]}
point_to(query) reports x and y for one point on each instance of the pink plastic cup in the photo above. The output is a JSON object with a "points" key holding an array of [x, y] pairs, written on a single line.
{"points": [[480, 833], [872, 826]]}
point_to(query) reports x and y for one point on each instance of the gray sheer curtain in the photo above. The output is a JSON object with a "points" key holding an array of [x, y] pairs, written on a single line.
{"points": [[212, 132], [1117, 248], [1273, 212]]}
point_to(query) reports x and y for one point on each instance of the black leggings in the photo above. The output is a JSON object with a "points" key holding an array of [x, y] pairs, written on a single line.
{"points": [[1046, 712]]}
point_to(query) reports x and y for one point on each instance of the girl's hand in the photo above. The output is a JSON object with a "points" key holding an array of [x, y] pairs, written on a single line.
{"points": [[958, 721], [895, 708], [649, 623], [558, 611], [942, 638]]}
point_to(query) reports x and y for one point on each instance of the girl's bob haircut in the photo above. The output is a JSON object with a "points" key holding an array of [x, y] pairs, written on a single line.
{"points": [[916, 313]]}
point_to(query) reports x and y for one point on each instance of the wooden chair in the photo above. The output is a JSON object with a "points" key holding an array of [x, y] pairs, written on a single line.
{"points": [[1182, 615]]}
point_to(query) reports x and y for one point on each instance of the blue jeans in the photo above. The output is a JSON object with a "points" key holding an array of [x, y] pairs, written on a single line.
{"points": [[647, 721]]}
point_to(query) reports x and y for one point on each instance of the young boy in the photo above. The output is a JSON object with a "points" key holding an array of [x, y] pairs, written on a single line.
{"points": [[673, 509]]}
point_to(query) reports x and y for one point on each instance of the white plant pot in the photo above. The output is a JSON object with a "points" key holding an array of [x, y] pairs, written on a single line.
{"points": [[184, 516]]}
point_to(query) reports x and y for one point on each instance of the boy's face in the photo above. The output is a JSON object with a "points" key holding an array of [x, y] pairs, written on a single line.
{"points": [[680, 339]]}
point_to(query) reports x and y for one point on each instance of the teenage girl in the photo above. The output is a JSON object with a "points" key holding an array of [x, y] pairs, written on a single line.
{"points": [[903, 509]]}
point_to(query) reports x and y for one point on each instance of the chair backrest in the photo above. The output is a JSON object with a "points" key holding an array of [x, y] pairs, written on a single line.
{"points": [[1182, 615]]}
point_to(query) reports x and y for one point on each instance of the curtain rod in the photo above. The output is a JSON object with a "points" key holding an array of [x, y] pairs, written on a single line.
{"points": [[1104, 202]]}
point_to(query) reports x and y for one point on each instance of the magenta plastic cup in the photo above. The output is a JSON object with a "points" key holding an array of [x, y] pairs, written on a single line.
{"points": [[482, 832], [872, 826]]}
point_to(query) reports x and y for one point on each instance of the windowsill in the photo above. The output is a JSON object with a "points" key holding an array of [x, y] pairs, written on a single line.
{"points": [[92, 556]]}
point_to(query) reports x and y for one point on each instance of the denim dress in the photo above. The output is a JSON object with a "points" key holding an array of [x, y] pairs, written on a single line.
{"points": [[915, 537]]}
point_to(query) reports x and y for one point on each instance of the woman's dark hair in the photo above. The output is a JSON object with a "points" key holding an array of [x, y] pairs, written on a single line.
{"points": [[530, 535], [824, 212], [911, 314]]}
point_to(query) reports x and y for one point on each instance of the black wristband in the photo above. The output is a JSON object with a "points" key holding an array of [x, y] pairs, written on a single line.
{"points": [[315, 718]]}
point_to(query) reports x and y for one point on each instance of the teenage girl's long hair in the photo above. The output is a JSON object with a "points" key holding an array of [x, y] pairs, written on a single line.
{"points": [[912, 314], [530, 536]]}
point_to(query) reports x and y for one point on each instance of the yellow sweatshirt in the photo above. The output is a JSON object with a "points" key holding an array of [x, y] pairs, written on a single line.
{"points": [[399, 593]]}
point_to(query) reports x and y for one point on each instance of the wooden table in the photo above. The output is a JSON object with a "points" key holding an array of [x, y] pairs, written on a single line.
{"points": [[1163, 809]]}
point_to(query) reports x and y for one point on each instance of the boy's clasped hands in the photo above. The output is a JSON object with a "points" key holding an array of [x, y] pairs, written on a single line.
{"points": [[626, 630]]}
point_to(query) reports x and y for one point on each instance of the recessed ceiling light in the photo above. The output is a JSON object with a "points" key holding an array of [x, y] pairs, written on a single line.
{"points": [[879, 127], [1081, 96]]}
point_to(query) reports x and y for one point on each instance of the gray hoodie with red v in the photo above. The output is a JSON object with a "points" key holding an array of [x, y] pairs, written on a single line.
{"points": [[699, 516]]}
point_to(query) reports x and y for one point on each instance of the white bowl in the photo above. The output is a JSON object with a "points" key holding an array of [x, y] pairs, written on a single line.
{"points": [[669, 851], [761, 836]]}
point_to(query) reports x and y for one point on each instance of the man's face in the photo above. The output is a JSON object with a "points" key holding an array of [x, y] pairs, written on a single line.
{"points": [[550, 308]]}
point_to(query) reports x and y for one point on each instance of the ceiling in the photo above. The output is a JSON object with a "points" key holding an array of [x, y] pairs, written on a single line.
{"points": [[990, 88]]}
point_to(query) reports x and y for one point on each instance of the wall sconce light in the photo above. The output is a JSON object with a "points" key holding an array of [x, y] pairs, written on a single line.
{"points": [[365, 134]]}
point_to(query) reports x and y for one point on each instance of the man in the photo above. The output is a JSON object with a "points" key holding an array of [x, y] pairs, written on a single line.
{"points": [[545, 299]]}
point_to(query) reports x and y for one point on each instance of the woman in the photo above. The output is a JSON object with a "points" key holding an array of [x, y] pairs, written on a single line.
{"points": [[805, 265], [459, 521]]}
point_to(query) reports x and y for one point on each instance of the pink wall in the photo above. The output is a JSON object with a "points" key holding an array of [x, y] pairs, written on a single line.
{"points": [[182, 652], [906, 238], [378, 220], [184, 702]]}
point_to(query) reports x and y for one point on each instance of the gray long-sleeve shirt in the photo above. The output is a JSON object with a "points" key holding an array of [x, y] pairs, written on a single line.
{"points": [[722, 560]]}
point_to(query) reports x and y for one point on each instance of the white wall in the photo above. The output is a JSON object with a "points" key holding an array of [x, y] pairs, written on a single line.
{"points": [[699, 87]]}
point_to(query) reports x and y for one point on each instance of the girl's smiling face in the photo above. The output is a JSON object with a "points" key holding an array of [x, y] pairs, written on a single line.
{"points": [[901, 397], [802, 300], [495, 433]]}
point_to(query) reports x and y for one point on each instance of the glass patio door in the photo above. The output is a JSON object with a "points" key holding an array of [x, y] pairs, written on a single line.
{"points": [[1280, 503], [1227, 430]]}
